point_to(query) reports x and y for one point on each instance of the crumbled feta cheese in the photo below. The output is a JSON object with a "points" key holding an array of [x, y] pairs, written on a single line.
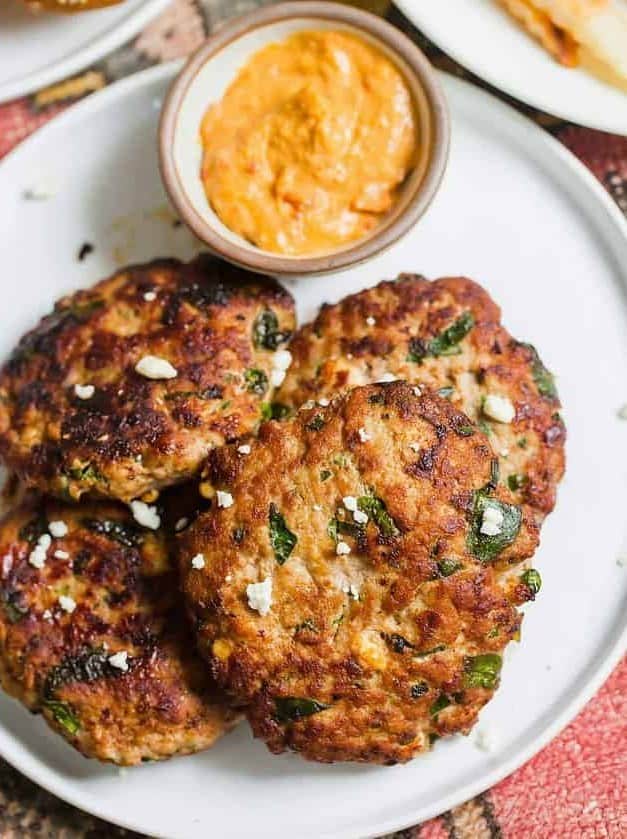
{"points": [[282, 359], [245, 449], [350, 502], [228, 578], [149, 296], [307, 405], [68, 604], [370, 320], [224, 499], [277, 377], [317, 508], [61, 554], [360, 517], [58, 529], [181, 524], [491, 523], [119, 660], [37, 557], [84, 391], [504, 452], [622, 412], [146, 515], [387, 377], [198, 562], [364, 436], [342, 549], [47, 615], [415, 447], [153, 367], [498, 408], [485, 739], [621, 560], [417, 391], [260, 596], [323, 403]]}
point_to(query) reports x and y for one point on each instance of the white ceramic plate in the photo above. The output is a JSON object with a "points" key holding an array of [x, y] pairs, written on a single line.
{"points": [[484, 39], [519, 213], [37, 49]]}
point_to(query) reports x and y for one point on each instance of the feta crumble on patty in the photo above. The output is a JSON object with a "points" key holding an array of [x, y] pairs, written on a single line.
{"points": [[146, 515], [84, 391], [224, 499], [260, 596], [492, 521], [58, 529], [153, 367], [119, 661], [499, 408], [198, 562]]}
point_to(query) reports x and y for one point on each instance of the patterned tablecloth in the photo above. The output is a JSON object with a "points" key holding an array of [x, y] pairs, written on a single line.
{"points": [[577, 786]]}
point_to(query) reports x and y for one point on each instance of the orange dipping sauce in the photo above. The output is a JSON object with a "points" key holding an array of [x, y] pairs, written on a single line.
{"points": [[308, 147]]}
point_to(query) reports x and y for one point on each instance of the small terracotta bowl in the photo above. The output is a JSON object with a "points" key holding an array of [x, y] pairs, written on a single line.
{"points": [[204, 80]]}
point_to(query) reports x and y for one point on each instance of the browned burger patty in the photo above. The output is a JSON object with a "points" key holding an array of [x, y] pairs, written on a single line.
{"points": [[125, 386], [344, 587], [93, 636], [446, 334]]}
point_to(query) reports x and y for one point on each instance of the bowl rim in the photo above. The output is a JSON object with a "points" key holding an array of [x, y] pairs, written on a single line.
{"points": [[266, 262]]}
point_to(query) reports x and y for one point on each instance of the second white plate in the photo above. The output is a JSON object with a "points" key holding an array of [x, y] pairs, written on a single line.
{"points": [[521, 215], [37, 49], [484, 39]]}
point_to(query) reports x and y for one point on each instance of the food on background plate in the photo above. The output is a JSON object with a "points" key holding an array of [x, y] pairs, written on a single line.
{"points": [[70, 6], [356, 581], [446, 334], [124, 387], [93, 634], [573, 29], [309, 145]]}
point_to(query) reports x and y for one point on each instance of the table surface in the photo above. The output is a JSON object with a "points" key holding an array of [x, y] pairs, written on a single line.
{"points": [[576, 786]]}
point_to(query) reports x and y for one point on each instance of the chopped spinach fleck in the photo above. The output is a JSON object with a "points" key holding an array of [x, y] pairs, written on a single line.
{"points": [[315, 424], [256, 381], [340, 460], [375, 509], [398, 643], [274, 410], [485, 427], [89, 665], [545, 382], [486, 548], [282, 539], [238, 535], [294, 708], [440, 704], [419, 689], [448, 566], [64, 715], [522, 443], [13, 608], [465, 430], [446, 343], [307, 625], [325, 474], [125, 533], [516, 481], [84, 473], [532, 579], [495, 472], [266, 332], [33, 529], [482, 671]]}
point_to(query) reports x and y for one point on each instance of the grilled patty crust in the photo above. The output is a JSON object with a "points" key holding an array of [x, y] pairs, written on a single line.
{"points": [[357, 578], [125, 386], [446, 334], [94, 637]]}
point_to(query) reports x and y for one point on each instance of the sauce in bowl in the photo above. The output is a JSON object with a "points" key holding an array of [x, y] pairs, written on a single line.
{"points": [[310, 143]]}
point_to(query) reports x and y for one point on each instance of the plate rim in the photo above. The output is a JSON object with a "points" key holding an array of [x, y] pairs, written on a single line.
{"points": [[51, 780], [421, 21], [76, 61]]}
